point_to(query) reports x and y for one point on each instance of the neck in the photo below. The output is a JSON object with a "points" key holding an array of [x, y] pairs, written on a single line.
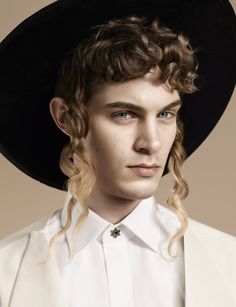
{"points": [[111, 207]]}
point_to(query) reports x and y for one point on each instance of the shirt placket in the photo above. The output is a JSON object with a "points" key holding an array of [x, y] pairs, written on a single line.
{"points": [[117, 268]]}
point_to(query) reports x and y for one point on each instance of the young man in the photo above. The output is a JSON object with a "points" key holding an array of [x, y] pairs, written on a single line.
{"points": [[119, 98]]}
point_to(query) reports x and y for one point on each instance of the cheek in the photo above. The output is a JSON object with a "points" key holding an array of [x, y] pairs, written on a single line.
{"points": [[105, 145], [168, 139]]}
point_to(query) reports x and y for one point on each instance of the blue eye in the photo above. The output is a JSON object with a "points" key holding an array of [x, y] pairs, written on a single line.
{"points": [[116, 115], [167, 114]]}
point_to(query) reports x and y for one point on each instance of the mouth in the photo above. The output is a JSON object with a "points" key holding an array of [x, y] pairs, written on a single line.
{"points": [[146, 165], [144, 171]]}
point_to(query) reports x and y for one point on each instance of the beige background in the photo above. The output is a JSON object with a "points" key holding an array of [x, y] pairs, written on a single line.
{"points": [[210, 171]]}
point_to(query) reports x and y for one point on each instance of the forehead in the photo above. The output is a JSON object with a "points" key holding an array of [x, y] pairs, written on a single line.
{"points": [[148, 90]]}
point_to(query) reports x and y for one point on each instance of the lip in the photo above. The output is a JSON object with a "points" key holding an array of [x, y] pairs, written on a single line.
{"points": [[144, 171], [146, 165]]}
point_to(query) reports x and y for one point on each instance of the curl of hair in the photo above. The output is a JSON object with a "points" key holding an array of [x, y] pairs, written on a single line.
{"points": [[116, 51], [180, 189]]}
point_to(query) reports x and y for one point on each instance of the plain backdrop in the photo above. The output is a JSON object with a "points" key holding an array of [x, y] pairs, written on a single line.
{"points": [[210, 171]]}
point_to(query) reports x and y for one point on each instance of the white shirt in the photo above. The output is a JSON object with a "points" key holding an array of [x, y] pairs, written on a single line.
{"points": [[130, 268]]}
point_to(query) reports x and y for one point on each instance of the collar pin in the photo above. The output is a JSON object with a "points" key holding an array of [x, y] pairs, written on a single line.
{"points": [[115, 232]]}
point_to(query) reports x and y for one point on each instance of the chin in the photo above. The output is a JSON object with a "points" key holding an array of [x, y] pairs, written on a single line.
{"points": [[133, 189], [139, 192]]}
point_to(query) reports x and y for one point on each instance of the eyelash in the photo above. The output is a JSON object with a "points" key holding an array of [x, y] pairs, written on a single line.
{"points": [[129, 112]]}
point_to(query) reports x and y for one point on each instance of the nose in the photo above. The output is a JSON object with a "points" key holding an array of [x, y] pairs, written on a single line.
{"points": [[148, 140]]}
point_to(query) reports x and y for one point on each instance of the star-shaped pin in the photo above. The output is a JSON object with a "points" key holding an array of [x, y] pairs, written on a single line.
{"points": [[115, 232]]}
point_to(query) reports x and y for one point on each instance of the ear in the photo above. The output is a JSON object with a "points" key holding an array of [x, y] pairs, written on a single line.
{"points": [[58, 109]]}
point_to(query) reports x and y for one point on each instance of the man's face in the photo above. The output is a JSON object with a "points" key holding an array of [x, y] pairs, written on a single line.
{"points": [[120, 137]]}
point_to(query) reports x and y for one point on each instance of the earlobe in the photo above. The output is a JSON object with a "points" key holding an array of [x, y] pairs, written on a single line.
{"points": [[58, 109]]}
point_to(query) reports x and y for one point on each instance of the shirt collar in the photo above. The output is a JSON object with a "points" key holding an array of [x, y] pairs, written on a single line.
{"points": [[151, 222]]}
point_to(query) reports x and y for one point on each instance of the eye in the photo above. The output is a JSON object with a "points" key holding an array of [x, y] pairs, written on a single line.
{"points": [[124, 113], [166, 113], [116, 115]]}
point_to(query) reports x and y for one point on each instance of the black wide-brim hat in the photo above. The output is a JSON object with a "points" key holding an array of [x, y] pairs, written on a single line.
{"points": [[32, 53]]}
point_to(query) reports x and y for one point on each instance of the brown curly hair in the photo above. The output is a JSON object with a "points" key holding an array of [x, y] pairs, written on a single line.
{"points": [[119, 50]]}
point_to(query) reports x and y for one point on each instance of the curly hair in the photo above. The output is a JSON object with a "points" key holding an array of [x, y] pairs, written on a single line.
{"points": [[119, 50]]}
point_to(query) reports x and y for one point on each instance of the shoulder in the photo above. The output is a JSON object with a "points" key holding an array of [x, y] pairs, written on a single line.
{"points": [[205, 230], [217, 246], [12, 250], [214, 240], [200, 230], [21, 236]]}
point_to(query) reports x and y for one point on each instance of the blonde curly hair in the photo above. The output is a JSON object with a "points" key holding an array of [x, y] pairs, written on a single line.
{"points": [[119, 50]]}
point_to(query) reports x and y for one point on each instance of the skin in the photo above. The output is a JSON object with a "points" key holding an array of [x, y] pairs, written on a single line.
{"points": [[115, 142]]}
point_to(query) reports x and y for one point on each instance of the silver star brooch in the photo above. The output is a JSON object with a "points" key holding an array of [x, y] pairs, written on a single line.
{"points": [[115, 232]]}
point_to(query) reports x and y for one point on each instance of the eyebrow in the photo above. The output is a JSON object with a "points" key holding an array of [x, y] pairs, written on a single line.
{"points": [[134, 107]]}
